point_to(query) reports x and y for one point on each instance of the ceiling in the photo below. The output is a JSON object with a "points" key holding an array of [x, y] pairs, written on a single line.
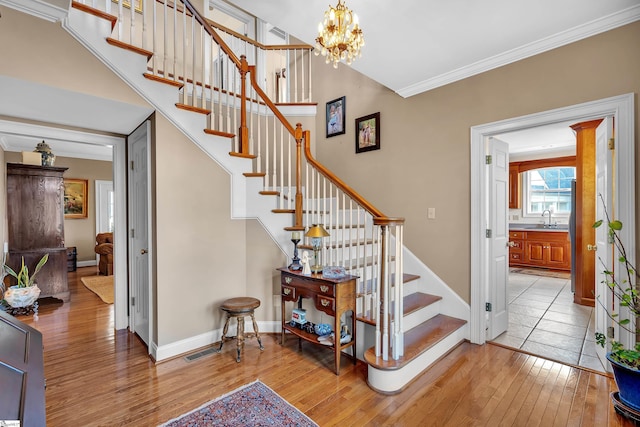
{"points": [[413, 46]]}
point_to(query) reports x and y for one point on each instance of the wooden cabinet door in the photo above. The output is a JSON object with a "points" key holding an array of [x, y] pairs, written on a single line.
{"points": [[558, 255], [21, 372], [535, 253]]}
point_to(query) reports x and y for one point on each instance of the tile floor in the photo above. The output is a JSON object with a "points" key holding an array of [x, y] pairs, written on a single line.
{"points": [[543, 320]]}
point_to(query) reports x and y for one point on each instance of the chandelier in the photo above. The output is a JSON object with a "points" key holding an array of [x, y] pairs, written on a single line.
{"points": [[339, 36]]}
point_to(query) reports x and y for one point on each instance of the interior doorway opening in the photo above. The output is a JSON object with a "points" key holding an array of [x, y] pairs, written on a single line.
{"points": [[623, 180]]}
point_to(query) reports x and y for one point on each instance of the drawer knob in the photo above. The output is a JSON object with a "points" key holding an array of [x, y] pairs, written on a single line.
{"points": [[324, 303], [286, 291], [324, 288], [287, 280]]}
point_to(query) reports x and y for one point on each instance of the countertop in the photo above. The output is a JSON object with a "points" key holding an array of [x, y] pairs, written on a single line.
{"points": [[538, 227]]}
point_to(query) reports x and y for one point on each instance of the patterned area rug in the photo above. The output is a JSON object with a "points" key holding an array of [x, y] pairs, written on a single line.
{"points": [[101, 286], [541, 272], [253, 404]]}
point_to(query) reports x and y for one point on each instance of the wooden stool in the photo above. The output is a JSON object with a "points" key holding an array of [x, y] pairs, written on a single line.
{"points": [[238, 308]]}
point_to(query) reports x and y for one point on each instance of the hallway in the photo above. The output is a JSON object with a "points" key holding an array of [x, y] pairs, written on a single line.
{"points": [[543, 320]]}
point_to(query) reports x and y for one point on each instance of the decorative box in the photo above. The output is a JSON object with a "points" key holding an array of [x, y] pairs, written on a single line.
{"points": [[299, 316], [334, 272]]}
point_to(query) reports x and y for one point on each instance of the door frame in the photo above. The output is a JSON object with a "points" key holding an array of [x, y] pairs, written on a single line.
{"points": [[621, 108]]}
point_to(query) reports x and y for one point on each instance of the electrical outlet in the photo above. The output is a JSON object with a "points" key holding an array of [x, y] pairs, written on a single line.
{"points": [[431, 213]]}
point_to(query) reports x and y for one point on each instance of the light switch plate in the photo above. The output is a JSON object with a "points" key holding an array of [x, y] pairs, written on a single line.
{"points": [[431, 213]]}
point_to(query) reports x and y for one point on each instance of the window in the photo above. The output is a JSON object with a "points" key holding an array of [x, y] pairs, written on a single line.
{"points": [[548, 188]]}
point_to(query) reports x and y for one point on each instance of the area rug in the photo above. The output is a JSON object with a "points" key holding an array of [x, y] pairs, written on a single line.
{"points": [[253, 404], [101, 286], [541, 272]]}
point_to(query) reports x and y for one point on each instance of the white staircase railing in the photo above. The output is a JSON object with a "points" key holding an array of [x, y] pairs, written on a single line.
{"points": [[185, 50]]}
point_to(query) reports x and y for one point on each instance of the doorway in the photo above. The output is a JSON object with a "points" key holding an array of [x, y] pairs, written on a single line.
{"points": [[621, 109]]}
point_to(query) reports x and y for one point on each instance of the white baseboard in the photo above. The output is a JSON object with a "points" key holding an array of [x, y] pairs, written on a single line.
{"points": [[87, 263], [187, 345]]}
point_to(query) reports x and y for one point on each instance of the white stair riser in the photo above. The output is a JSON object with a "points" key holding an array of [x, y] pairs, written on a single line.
{"points": [[393, 381], [422, 315]]}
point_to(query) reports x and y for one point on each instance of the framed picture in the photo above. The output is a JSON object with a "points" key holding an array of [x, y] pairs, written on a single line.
{"points": [[368, 133], [336, 117], [75, 198]]}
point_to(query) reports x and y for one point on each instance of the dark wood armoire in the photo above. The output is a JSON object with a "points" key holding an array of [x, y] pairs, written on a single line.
{"points": [[35, 213]]}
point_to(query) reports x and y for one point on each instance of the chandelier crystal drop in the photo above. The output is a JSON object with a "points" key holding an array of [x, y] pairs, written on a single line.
{"points": [[339, 36]]}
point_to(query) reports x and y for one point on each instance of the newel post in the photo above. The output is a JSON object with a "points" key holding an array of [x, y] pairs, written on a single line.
{"points": [[298, 215], [243, 132]]}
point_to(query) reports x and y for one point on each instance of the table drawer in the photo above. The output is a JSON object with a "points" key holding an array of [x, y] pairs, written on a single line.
{"points": [[289, 293], [326, 304], [309, 284]]}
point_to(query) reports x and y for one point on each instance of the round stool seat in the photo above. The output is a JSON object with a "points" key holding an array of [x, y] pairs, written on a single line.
{"points": [[238, 308], [240, 305]]}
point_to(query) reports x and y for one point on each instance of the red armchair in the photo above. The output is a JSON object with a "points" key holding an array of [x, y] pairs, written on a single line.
{"points": [[104, 248]]}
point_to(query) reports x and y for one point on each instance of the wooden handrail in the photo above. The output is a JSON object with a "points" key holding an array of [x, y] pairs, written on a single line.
{"points": [[254, 42], [270, 104], [212, 33], [337, 181]]}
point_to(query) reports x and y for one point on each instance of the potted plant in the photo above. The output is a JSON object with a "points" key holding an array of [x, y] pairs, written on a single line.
{"points": [[26, 291], [622, 282]]}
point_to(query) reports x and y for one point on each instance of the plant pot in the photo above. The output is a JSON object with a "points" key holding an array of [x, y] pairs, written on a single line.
{"points": [[21, 297], [628, 381]]}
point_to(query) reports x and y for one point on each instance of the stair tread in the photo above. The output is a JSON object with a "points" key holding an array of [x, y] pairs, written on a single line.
{"points": [[418, 300], [411, 303], [417, 340]]}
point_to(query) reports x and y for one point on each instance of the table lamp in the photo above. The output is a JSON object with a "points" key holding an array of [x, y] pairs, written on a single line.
{"points": [[316, 232]]}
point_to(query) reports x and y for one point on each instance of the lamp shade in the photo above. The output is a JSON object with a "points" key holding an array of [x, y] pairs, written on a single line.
{"points": [[316, 230]]}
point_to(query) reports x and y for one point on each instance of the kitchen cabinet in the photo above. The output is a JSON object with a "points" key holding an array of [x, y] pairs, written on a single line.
{"points": [[547, 249]]}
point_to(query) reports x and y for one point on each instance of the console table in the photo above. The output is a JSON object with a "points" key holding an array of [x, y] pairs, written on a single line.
{"points": [[331, 296]]}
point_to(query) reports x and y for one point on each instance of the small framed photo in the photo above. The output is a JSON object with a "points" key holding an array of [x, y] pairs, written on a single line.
{"points": [[336, 117], [368, 133], [75, 198]]}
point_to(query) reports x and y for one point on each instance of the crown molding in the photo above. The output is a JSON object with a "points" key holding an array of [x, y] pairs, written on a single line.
{"points": [[571, 35]]}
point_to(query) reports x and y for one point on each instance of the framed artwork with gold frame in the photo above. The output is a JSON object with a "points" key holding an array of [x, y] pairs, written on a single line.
{"points": [[75, 198]]}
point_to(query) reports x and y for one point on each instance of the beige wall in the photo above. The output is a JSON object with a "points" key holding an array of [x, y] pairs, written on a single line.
{"points": [[79, 232], [425, 139]]}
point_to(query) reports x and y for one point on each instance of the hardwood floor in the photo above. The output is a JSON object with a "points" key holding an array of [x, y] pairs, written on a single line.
{"points": [[96, 377]]}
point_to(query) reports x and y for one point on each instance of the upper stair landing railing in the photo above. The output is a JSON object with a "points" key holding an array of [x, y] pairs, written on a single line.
{"points": [[182, 41], [188, 52]]}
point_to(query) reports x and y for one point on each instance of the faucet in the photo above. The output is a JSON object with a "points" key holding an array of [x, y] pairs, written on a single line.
{"points": [[543, 212]]}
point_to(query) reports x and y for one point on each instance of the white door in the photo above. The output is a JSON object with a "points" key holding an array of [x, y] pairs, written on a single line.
{"points": [[498, 239], [604, 193], [138, 144]]}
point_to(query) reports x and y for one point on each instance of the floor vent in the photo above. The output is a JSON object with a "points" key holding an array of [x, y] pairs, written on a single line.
{"points": [[198, 355]]}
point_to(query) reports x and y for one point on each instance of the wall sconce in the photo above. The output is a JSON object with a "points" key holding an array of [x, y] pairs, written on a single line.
{"points": [[316, 232]]}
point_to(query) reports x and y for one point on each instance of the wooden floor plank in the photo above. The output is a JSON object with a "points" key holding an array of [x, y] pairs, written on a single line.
{"points": [[96, 377]]}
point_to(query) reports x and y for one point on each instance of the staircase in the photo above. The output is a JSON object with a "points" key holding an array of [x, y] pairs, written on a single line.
{"points": [[199, 77]]}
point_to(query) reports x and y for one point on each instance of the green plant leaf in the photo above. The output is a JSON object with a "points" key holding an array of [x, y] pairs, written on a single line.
{"points": [[615, 225]]}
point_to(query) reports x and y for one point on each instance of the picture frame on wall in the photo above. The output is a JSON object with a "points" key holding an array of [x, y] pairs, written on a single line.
{"points": [[335, 117], [368, 133], [75, 198]]}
